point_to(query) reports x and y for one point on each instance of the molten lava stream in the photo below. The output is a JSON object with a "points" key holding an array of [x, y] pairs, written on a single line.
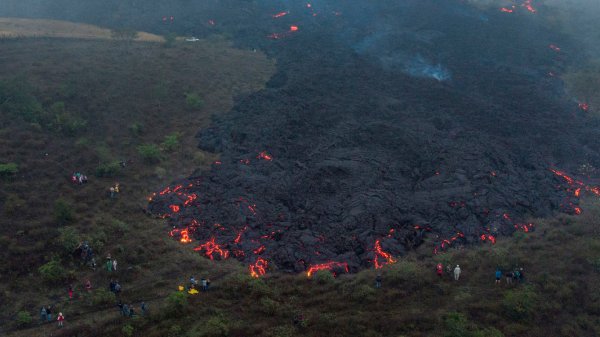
{"points": [[258, 268], [332, 266], [379, 252]]}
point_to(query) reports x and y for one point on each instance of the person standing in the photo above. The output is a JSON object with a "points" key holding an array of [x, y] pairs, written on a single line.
{"points": [[114, 265], [144, 308], [71, 292], [439, 270], [456, 272], [60, 319], [109, 265], [498, 275], [203, 282], [43, 314], [88, 286], [378, 281], [49, 313]]}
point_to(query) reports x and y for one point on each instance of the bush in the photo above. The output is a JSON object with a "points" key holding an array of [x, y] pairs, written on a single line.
{"points": [[177, 304], [68, 124], [69, 239], [363, 293], [8, 169], [215, 326], [404, 271], [13, 204], [17, 99], [53, 271], [194, 101], [136, 129], [110, 169], [171, 142], [269, 306], [150, 153], [175, 331], [520, 303], [102, 296], [324, 277], [63, 212], [127, 330], [170, 40], [23, 318]]}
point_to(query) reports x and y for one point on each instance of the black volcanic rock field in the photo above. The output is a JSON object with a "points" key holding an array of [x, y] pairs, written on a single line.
{"points": [[385, 124]]}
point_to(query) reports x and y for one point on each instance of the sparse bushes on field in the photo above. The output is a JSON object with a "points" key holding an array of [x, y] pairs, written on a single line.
{"points": [[127, 330], [17, 99], [136, 129], [520, 303], [324, 277], [170, 40], [8, 169], [109, 169], [53, 271], [69, 239], [102, 296], [215, 326], [177, 304], [13, 204], [269, 306], [194, 101], [23, 318], [171, 142], [63, 212], [150, 153]]}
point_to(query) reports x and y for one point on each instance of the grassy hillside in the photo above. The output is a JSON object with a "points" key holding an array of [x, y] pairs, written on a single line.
{"points": [[87, 106], [21, 27]]}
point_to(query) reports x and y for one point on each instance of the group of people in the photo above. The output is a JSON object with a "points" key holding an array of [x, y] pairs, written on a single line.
{"points": [[515, 275], [204, 283], [129, 310], [454, 272], [46, 316], [78, 178], [111, 264]]}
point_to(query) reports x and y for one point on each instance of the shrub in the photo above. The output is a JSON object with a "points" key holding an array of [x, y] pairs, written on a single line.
{"points": [[216, 326], [23, 318], [53, 271], [63, 212], [68, 124], [127, 330], [109, 169], [136, 129], [150, 153], [175, 331], [520, 303], [363, 293], [456, 325], [8, 169], [194, 101], [17, 99], [69, 239], [102, 296], [13, 204], [404, 271], [282, 331], [171, 142], [324, 277], [170, 40], [269, 306], [177, 304]]}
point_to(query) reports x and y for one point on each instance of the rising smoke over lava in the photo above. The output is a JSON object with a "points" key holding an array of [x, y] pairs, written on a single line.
{"points": [[387, 124]]}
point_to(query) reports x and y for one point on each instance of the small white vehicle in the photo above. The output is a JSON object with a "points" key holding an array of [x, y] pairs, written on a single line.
{"points": [[192, 39]]}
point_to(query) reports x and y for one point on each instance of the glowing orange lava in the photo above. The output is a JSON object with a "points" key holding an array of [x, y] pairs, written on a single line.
{"points": [[379, 252], [331, 266], [258, 268], [212, 248]]}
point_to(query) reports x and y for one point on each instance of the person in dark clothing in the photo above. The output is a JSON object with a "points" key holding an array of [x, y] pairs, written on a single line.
{"points": [[509, 277], [207, 283], [144, 308], [131, 310], [112, 285], [120, 305], [125, 311], [498, 275], [521, 276], [43, 314], [49, 313], [378, 281]]}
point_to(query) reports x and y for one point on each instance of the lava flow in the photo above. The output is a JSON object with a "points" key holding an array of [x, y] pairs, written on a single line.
{"points": [[379, 252], [332, 266], [212, 248], [258, 268]]}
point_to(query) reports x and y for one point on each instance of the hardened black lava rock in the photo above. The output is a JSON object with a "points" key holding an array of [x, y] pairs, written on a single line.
{"points": [[364, 144]]}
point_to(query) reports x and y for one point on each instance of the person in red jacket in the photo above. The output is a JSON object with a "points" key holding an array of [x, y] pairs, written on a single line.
{"points": [[60, 319], [439, 270]]}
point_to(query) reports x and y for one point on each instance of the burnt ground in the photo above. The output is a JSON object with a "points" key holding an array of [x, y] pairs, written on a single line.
{"points": [[366, 153]]}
